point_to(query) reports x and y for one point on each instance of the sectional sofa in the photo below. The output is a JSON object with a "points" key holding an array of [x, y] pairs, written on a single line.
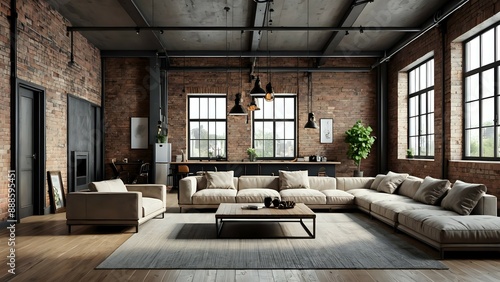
{"points": [[111, 202], [447, 217]]}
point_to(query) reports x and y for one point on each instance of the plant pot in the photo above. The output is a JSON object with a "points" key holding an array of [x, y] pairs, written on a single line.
{"points": [[358, 173]]}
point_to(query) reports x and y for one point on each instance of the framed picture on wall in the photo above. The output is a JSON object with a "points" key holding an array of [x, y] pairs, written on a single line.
{"points": [[326, 130], [139, 133], [56, 192]]}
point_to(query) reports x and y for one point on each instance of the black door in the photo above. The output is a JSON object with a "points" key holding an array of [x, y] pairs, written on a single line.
{"points": [[30, 182]]}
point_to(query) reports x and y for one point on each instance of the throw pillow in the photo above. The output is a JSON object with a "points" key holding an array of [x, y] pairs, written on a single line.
{"points": [[114, 185], [376, 181], [410, 186], [294, 179], [391, 182], [431, 190], [463, 197], [220, 179]]}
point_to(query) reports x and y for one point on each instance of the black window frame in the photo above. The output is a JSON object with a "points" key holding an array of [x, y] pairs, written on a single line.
{"points": [[216, 153], [480, 71], [262, 103], [419, 114]]}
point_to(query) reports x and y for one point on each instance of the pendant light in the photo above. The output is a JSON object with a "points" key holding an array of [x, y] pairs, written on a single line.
{"points": [[311, 123], [254, 105], [269, 97], [237, 109]]}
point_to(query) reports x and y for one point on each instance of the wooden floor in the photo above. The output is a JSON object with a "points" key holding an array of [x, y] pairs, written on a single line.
{"points": [[45, 252]]}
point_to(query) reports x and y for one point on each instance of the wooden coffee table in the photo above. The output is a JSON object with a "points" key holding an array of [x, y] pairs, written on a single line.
{"points": [[230, 212]]}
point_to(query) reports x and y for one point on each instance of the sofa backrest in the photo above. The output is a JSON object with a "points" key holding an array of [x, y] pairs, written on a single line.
{"points": [[348, 183], [322, 183], [113, 185], [258, 181]]}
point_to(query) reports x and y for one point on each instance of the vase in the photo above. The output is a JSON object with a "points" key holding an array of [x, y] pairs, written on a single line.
{"points": [[268, 201]]}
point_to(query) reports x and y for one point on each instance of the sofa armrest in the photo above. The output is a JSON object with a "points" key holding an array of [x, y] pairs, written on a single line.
{"points": [[157, 191], [487, 205], [187, 188], [104, 206]]}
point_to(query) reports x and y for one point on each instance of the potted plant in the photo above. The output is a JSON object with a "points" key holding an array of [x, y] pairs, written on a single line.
{"points": [[252, 155], [409, 154], [161, 138], [360, 143]]}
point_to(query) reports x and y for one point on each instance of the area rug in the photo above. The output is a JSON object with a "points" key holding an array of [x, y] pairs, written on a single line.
{"points": [[343, 241]]}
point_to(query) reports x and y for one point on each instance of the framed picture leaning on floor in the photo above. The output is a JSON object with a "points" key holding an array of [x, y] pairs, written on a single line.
{"points": [[56, 192]]}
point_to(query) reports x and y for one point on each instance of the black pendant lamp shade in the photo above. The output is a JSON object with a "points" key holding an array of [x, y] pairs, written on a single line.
{"points": [[237, 109], [311, 123], [269, 93], [257, 89]]}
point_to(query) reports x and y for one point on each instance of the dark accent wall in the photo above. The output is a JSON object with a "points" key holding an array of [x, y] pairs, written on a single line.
{"points": [[84, 135]]}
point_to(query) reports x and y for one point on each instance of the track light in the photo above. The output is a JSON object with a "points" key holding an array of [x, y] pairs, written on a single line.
{"points": [[161, 31], [137, 30]]}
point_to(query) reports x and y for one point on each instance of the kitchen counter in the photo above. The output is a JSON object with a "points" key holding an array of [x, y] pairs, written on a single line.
{"points": [[259, 167]]}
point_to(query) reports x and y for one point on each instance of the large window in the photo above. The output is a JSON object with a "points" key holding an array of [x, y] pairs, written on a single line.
{"points": [[207, 126], [421, 109], [482, 99], [274, 128]]}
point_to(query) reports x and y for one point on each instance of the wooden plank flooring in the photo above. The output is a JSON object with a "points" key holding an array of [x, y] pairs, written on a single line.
{"points": [[45, 252]]}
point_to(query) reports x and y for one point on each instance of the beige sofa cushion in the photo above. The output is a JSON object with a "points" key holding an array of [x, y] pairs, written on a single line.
{"points": [[150, 205], [463, 197], [391, 182], [453, 229], [338, 197], [365, 200], [114, 185], [220, 179], [306, 196], [256, 195], [391, 209], [294, 179], [431, 190], [214, 196]]}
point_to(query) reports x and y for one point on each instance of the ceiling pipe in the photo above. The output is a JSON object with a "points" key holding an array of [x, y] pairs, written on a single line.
{"points": [[270, 69], [440, 15]]}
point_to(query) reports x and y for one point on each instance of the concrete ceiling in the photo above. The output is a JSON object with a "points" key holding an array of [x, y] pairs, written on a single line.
{"points": [[298, 28]]}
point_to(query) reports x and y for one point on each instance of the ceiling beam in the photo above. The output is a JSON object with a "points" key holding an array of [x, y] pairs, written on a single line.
{"points": [[254, 46], [135, 13], [349, 18]]}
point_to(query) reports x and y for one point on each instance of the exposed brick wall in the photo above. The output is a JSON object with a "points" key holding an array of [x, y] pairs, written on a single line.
{"points": [[465, 19], [5, 106], [126, 96], [43, 55], [333, 93]]}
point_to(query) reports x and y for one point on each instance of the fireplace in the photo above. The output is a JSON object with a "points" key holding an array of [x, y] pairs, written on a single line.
{"points": [[80, 169]]}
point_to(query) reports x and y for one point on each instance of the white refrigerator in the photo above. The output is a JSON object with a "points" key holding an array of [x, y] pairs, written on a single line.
{"points": [[163, 157]]}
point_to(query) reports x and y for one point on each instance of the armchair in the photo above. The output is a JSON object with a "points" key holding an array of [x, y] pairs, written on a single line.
{"points": [[111, 202]]}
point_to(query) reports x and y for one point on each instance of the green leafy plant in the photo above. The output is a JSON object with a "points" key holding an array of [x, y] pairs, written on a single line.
{"points": [[360, 142], [409, 153], [161, 138], [252, 155]]}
